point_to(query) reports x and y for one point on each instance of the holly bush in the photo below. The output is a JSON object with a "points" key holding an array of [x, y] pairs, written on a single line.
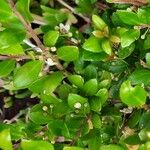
{"points": [[74, 75]]}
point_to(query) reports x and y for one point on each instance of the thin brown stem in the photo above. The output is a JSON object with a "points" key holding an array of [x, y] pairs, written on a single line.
{"points": [[26, 25]]}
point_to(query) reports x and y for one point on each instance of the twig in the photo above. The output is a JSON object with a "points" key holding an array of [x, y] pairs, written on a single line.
{"points": [[27, 25], [17, 58], [73, 11], [32, 33], [133, 2]]}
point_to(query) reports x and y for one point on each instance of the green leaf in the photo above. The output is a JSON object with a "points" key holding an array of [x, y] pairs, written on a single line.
{"points": [[90, 87], [143, 15], [96, 121], [77, 80], [129, 18], [125, 52], [140, 76], [98, 22], [58, 128], [111, 147], [128, 37], [12, 50], [72, 148], [47, 84], [93, 44], [132, 96], [23, 7], [90, 56], [95, 104], [38, 145], [147, 42], [90, 72], [27, 74], [148, 59], [50, 38], [10, 37], [74, 99], [103, 95], [53, 16], [68, 53], [5, 11], [5, 140], [7, 66], [106, 46]]}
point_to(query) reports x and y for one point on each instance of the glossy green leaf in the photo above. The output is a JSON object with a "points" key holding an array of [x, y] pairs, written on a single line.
{"points": [[38, 145], [5, 140], [103, 95], [125, 52], [148, 59], [98, 22], [111, 147], [72, 148], [129, 18], [132, 96], [50, 38], [7, 67], [96, 121], [90, 56], [128, 37], [12, 50], [47, 84], [77, 80], [90, 87], [27, 74], [10, 37], [93, 44], [5, 11], [23, 6], [76, 101], [147, 42], [90, 72], [106, 46], [68, 53], [140, 76]]}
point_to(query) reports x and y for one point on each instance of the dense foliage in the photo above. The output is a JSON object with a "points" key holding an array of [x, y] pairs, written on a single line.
{"points": [[74, 74]]}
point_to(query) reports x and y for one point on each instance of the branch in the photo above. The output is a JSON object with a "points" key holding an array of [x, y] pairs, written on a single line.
{"points": [[86, 19], [133, 2], [32, 33]]}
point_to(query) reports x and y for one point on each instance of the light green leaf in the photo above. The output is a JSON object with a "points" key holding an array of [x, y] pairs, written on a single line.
{"points": [[47, 84], [68, 53], [129, 18], [132, 96], [5, 11], [7, 66], [76, 101], [93, 44], [12, 50], [23, 7], [148, 59], [98, 22], [128, 37], [90, 87], [125, 52], [72, 148], [27, 74], [11, 37], [103, 95], [38, 145], [50, 38], [147, 42], [77, 80], [97, 123], [140, 76], [106, 46], [111, 147], [5, 140]]}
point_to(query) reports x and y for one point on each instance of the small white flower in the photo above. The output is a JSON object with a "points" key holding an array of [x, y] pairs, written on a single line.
{"points": [[45, 108], [64, 28], [50, 62], [53, 49], [77, 105]]}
